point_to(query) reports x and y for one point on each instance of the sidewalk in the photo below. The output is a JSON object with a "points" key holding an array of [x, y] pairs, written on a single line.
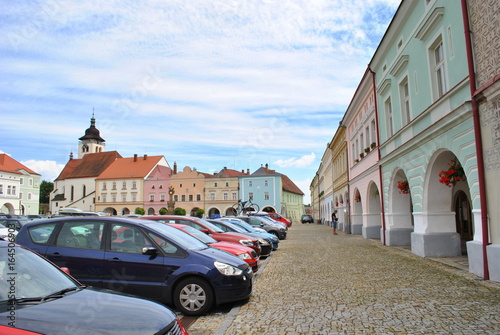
{"points": [[319, 283]]}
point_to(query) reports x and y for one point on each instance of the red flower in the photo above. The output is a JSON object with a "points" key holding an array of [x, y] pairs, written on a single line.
{"points": [[453, 175], [403, 187]]}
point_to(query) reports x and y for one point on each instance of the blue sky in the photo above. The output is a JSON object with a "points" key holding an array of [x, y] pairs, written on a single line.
{"points": [[207, 84]]}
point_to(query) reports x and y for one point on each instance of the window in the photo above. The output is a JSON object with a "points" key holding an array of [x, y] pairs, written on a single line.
{"points": [[388, 118], [30, 182], [198, 197], [84, 190], [128, 239], [212, 196], [21, 181], [266, 195], [176, 197], [250, 183], [266, 183], [134, 185], [151, 197], [134, 197], [114, 185], [227, 184], [225, 196], [124, 185], [250, 196], [124, 198], [162, 197], [104, 185], [1, 188], [113, 198], [190, 197], [234, 196], [438, 64], [183, 197], [405, 101], [103, 198], [215, 184], [85, 235]]}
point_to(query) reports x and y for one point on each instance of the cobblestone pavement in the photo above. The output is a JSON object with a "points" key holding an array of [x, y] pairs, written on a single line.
{"points": [[319, 283]]}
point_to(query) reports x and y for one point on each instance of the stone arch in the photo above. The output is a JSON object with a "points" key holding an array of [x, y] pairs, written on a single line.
{"points": [[399, 217], [7, 208], [213, 212], [357, 212], [373, 212], [125, 211], [150, 211], [110, 211], [435, 232]]}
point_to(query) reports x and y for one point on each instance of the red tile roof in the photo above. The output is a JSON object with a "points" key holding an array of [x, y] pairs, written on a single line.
{"points": [[133, 167], [91, 165], [225, 172], [9, 164]]}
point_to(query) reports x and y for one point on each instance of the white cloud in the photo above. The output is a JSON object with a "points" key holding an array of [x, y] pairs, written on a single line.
{"points": [[49, 170], [301, 162]]}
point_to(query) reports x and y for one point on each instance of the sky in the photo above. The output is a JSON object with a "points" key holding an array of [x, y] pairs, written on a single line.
{"points": [[206, 83]]}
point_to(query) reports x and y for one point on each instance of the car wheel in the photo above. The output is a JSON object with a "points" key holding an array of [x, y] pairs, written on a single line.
{"points": [[193, 296], [275, 233]]}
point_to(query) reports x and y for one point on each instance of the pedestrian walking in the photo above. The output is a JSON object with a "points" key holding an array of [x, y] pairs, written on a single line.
{"points": [[334, 222]]}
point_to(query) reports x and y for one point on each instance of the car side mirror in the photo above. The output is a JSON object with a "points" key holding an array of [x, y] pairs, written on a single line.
{"points": [[205, 231], [149, 251]]}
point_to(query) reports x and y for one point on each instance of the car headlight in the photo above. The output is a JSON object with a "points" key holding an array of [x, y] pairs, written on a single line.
{"points": [[227, 270], [244, 256], [247, 243], [263, 241]]}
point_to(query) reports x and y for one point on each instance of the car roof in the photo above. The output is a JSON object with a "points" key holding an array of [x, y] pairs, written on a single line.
{"points": [[88, 219]]}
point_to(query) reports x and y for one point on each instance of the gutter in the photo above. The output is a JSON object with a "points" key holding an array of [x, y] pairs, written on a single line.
{"points": [[477, 135], [378, 151]]}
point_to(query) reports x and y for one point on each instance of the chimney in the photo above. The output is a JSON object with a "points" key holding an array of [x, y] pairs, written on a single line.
{"points": [[70, 155], [248, 171], [145, 157], [267, 167], [175, 167], [135, 157]]}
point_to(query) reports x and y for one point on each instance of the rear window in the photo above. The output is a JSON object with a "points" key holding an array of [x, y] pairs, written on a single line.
{"points": [[41, 234]]}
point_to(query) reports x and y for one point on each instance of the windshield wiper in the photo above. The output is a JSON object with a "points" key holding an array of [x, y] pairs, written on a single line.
{"points": [[55, 295]]}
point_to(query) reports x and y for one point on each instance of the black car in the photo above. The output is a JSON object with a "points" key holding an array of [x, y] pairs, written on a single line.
{"points": [[36, 295], [260, 222], [306, 219]]}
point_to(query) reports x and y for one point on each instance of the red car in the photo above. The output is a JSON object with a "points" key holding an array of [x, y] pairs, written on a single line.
{"points": [[245, 253], [208, 228]]}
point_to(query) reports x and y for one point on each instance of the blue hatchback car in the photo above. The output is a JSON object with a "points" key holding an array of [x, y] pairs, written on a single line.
{"points": [[144, 258]]}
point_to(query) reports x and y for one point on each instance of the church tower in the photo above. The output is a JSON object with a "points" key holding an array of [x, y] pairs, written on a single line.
{"points": [[92, 141]]}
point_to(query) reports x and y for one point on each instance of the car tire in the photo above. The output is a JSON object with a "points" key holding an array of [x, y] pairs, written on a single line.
{"points": [[275, 233], [193, 296]]}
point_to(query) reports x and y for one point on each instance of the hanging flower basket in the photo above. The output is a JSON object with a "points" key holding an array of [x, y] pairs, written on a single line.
{"points": [[336, 203], [373, 145], [341, 201], [367, 149], [403, 187], [357, 198], [453, 175]]}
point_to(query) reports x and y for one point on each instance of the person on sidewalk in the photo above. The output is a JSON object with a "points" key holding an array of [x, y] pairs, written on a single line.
{"points": [[334, 222]]}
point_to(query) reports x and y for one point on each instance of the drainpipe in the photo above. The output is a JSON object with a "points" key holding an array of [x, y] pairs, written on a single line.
{"points": [[378, 152], [478, 139]]}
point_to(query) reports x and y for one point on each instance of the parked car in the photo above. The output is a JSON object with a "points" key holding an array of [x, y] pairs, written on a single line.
{"points": [[306, 219], [265, 242], [8, 230], [268, 226], [276, 217], [244, 253], [210, 229], [274, 239], [140, 257], [46, 300], [15, 223]]}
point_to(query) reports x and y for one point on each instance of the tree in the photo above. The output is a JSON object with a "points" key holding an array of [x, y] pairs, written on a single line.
{"points": [[200, 212], [162, 211], [140, 211], [179, 211], [45, 188]]}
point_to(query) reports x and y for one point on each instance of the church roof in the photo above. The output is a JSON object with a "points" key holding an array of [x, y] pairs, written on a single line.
{"points": [[9, 164], [92, 133], [90, 165]]}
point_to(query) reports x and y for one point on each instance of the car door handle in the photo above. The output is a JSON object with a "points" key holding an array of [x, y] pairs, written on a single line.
{"points": [[56, 255], [114, 259]]}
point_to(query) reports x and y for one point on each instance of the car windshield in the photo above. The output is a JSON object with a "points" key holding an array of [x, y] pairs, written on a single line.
{"points": [[210, 226], [244, 225], [24, 275], [198, 234], [235, 227], [181, 238]]}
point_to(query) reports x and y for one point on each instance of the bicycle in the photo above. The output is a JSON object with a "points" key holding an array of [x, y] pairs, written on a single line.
{"points": [[243, 207]]}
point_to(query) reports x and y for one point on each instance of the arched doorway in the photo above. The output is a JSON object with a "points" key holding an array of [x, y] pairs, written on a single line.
{"points": [[213, 213], [463, 219]]}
